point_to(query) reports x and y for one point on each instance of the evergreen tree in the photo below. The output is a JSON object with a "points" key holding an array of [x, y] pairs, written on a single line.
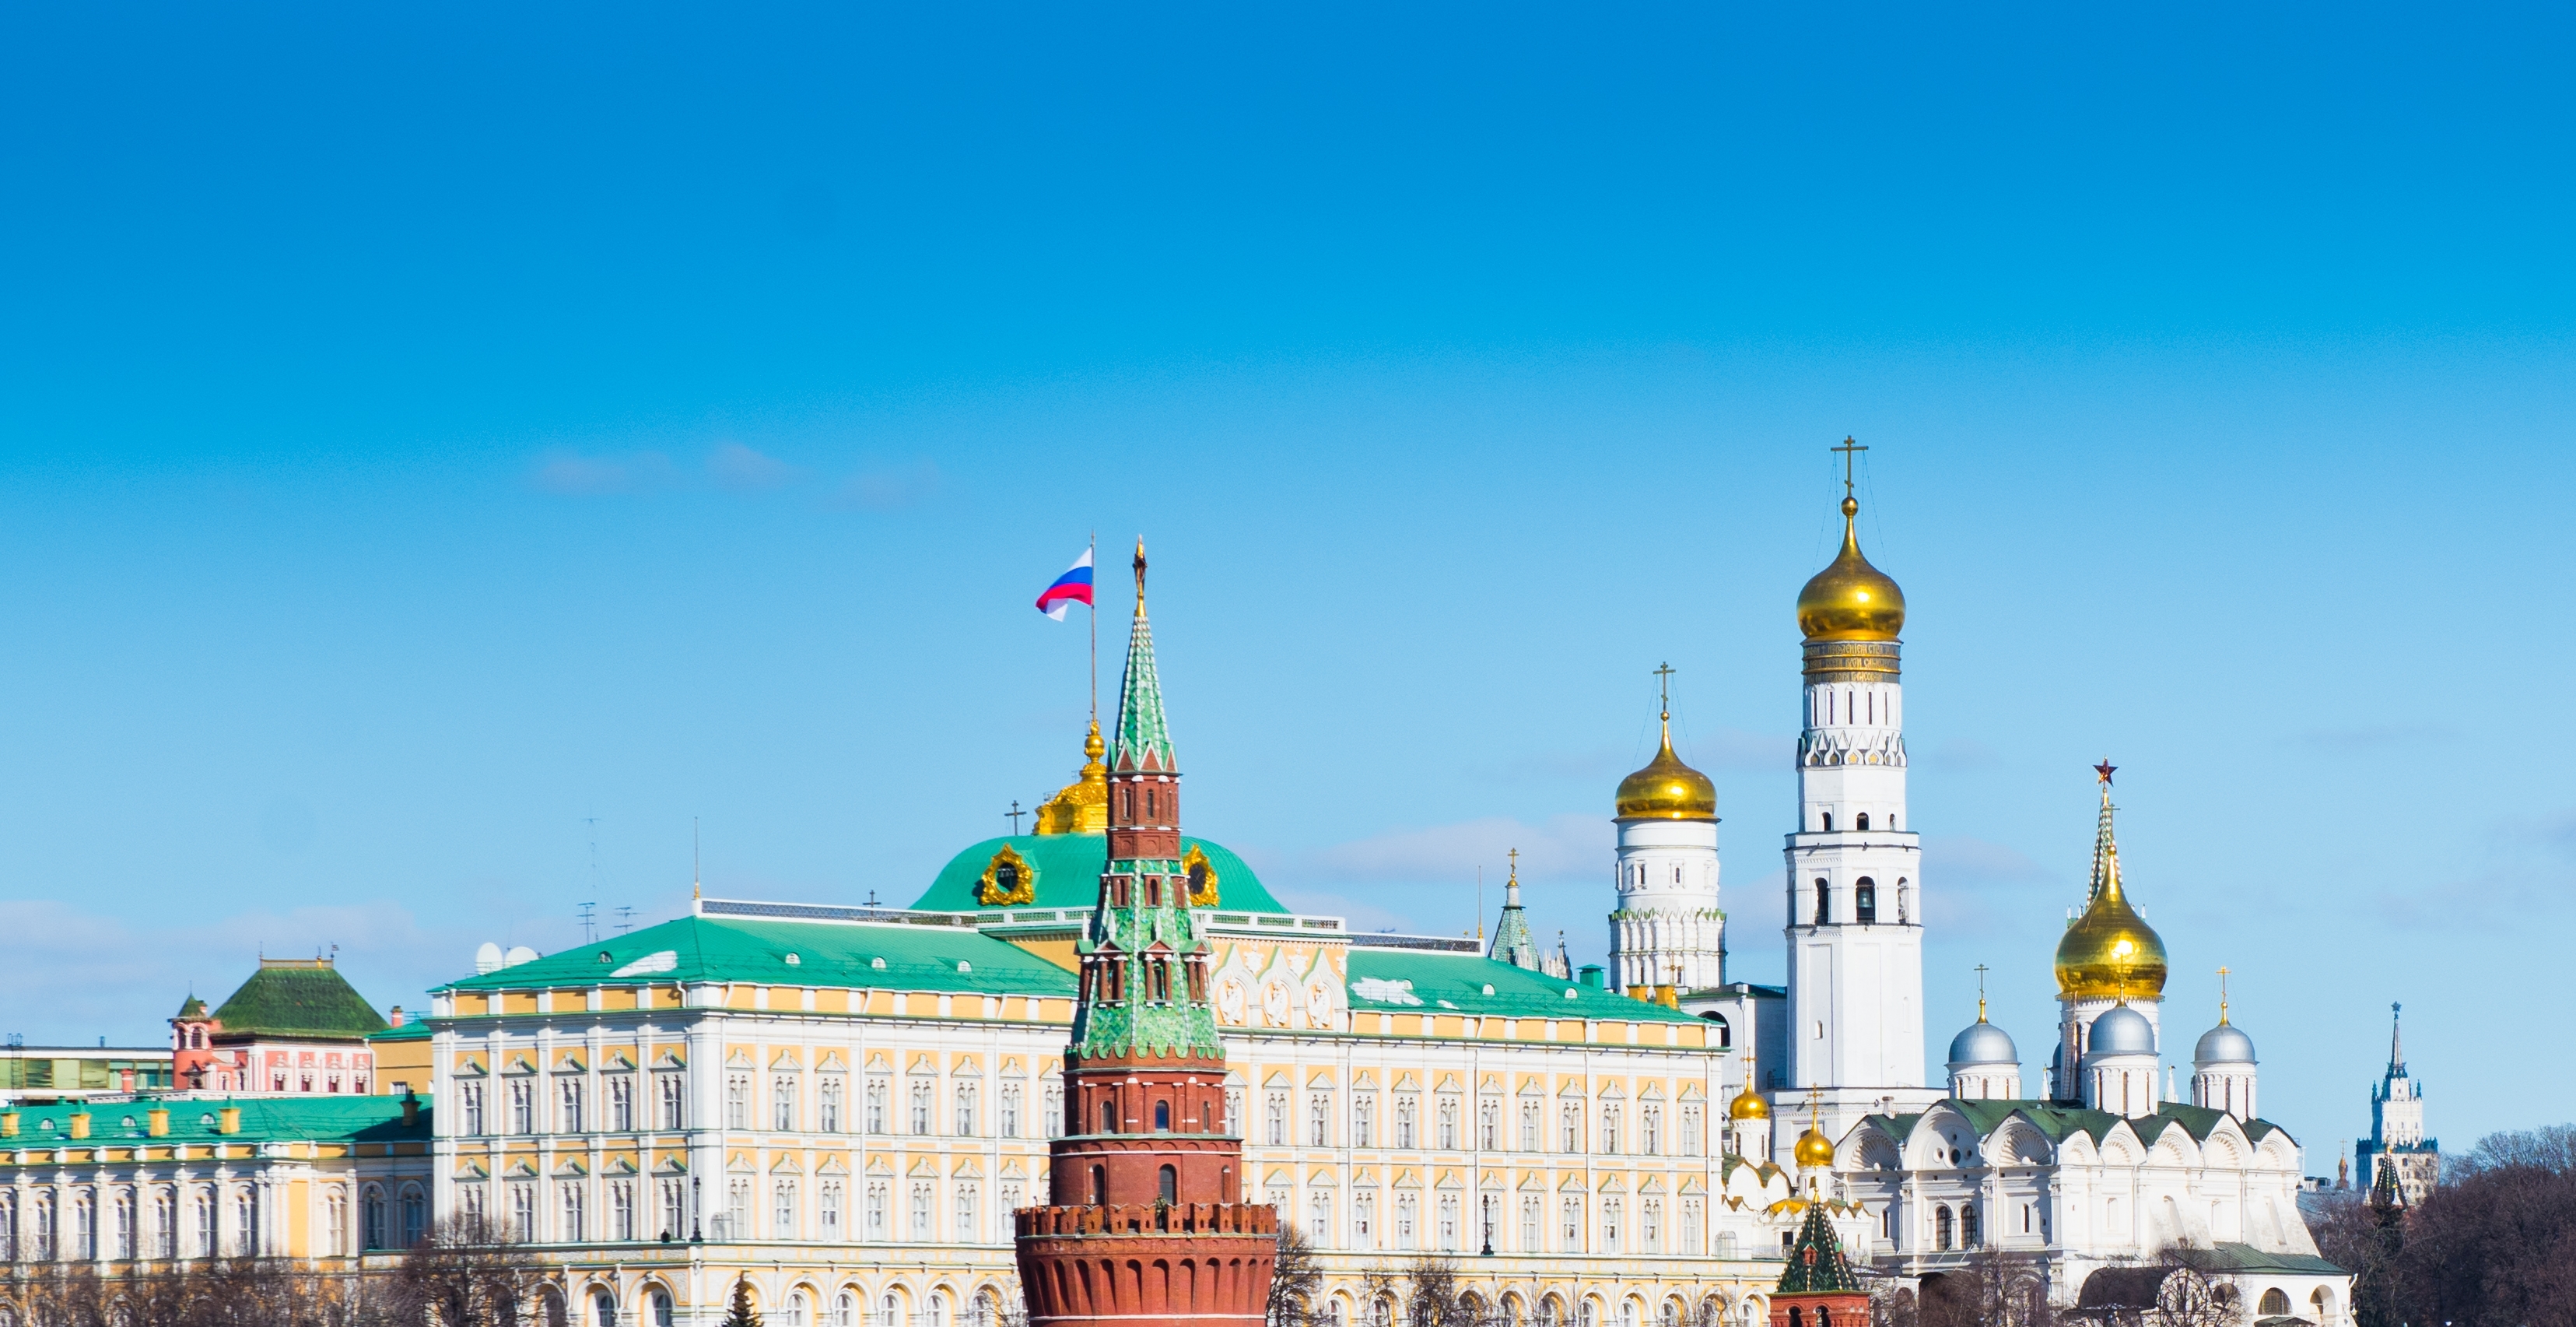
{"points": [[740, 1315]]}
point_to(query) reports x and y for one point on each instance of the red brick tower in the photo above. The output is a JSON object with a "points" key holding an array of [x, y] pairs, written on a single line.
{"points": [[1143, 1223], [1817, 1288]]}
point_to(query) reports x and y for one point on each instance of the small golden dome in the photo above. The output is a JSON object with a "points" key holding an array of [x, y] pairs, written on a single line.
{"points": [[1082, 806], [1851, 600], [1667, 789], [2110, 952], [1748, 1105], [1814, 1149]]}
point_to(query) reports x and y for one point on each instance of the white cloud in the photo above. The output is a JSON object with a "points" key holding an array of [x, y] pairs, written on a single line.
{"points": [[742, 469]]}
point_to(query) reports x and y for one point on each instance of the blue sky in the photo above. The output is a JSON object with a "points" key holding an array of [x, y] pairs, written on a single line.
{"points": [[428, 431]]}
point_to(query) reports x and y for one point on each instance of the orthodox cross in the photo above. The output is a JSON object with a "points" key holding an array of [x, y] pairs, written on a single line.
{"points": [[2222, 995], [1981, 993], [1847, 449], [1515, 855], [1014, 815], [1664, 688]]}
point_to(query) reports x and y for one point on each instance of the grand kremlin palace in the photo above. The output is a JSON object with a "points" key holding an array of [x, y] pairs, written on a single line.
{"points": [[846, 1104]]}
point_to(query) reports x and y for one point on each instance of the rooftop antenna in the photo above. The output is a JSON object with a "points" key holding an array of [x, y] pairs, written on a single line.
{"points": [[697, 889], [1480, 903], [625, 919], [589, 923]]}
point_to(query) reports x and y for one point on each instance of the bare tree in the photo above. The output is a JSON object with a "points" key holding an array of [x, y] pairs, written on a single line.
{"points": [[467, 1272], [1295, 1279]]}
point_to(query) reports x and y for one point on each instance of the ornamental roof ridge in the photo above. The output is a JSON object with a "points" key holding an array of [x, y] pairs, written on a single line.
{"points": [[1144, 733]]}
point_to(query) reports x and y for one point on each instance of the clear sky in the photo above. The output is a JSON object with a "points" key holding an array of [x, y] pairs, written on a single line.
{"points": [[435, 438]]}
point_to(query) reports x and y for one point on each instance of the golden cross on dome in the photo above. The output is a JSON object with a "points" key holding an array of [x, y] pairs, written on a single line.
{"points": [[2222, 995], [1664, 689], [2104, 770], [1981, 992], [1847, 449]]}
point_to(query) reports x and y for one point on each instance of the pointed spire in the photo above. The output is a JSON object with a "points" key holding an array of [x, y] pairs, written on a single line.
{"points": [[1513, 943], [1144, 737], [2106, 853], [1816, 1265], [2396, 1043]]}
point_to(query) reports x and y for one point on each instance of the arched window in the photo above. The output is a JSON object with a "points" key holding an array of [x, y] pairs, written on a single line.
{"points": [[1824, 902], [1829, 828], [2274, 1303], [1942, 1229], [1865, 900], [1796, 1319], [1109, 1117], [1167, 1185], [1904, 901], [1723, 1034], [1968, 1226], [1162, 1117], [1859, 822], [1099, 1186]]}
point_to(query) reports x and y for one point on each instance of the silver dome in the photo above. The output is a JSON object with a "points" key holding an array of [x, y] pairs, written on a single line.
{"points": [[1983, 1043], [2224, 1044], [2121, 1031]]}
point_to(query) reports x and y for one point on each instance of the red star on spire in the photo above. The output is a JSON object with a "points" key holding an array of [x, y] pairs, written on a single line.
{"points": [[2104, 769]]}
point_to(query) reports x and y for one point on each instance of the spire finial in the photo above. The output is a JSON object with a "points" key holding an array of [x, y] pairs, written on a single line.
{"points": [[2396, 1041], [2222, 997], [1140, 575], [1664, 699], [2105, 770], [1981, 992]]}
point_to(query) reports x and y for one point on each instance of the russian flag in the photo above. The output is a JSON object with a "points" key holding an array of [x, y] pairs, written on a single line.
{"points": [[1073, 587]]}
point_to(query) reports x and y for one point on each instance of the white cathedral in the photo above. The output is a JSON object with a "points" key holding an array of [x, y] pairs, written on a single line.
{"points": [[2102, 1169]]}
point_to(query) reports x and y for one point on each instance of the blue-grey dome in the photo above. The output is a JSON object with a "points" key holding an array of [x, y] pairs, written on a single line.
{"points": [[2224, 1044], [2121, 1031], [1983, 1043]]}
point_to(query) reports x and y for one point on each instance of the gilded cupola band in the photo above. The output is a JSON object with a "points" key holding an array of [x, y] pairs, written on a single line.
{"points": [[1852, 661]]}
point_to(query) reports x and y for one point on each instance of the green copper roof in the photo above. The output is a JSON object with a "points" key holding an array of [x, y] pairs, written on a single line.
{"points": [[2061, 1122], [193, 1120], [693, 948], [1423, 981], [1068, 867], [1144, 738], [1134, 1024], [1815, 1260], [298, 998]]}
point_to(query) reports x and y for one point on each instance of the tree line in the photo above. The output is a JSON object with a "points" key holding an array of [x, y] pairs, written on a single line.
{"points": [[463, 1274], [2493, 1245]]}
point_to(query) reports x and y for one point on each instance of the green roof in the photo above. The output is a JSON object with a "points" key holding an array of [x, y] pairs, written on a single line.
{"points": [[295, 997], [415, 1030], [886, 956], [1067, 869], [1144, 736], [2060, 1122], [1815, 1260], [1393, 980], [368, 1119]]}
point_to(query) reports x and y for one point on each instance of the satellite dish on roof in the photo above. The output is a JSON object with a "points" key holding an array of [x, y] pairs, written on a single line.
{"points": [[518, 954], [487, 958]]}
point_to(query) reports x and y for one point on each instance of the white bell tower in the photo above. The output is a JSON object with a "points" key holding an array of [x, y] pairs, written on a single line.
{"points": [[1855, 888], [1668, 936]]}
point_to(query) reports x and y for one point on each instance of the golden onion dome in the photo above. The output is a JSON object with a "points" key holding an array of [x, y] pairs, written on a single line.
{"points": [[2109, 952], [1667, 789], [1851, 600], [1814, 1149], [1748, 1105]]}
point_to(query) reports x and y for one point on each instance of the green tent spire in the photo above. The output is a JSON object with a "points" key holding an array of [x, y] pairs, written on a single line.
{"points": [[1513, 942], [1816, 1265], [1144, 737]]}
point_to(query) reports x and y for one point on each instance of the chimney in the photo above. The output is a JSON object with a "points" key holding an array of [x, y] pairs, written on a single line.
{"points": [[411, 1108], [395, 1019], [228, 1120], [8, 1124], [159, 1121], [80, 1124]]}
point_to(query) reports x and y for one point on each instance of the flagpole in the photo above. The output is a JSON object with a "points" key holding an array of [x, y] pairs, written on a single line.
{"points": [[1095, 631]]}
